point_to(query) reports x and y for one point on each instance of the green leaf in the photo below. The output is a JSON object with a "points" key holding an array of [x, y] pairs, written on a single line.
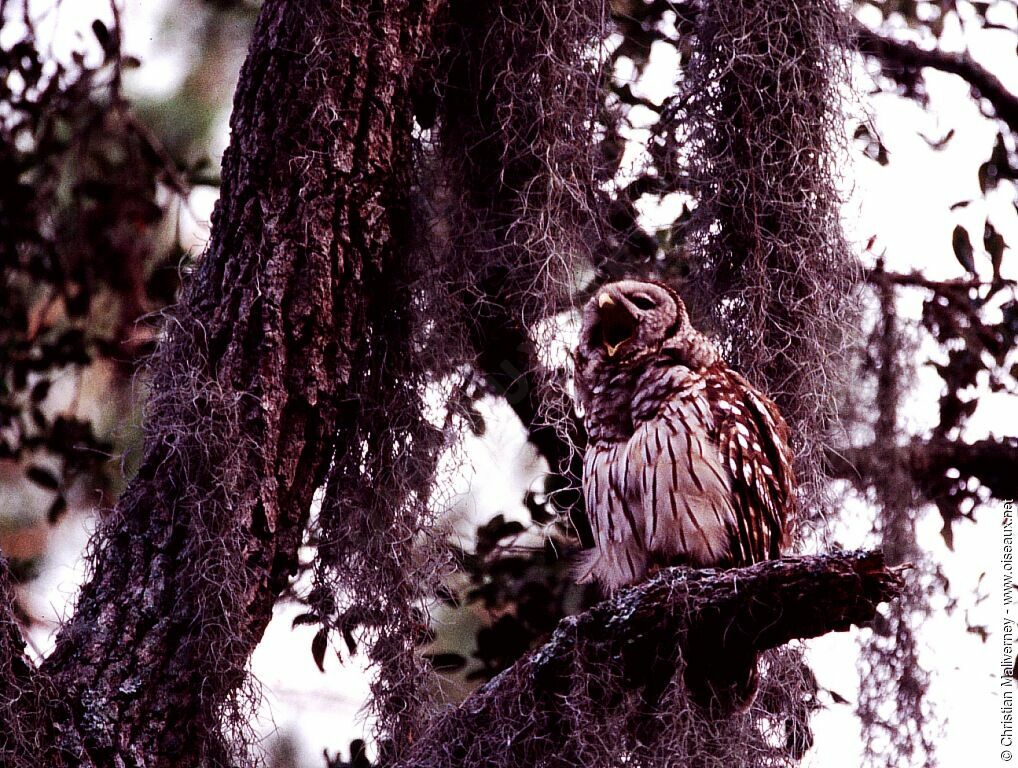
{"points": [[963, 249], [305, 618], [995, 245], [102, 34], [446, 662], [56, 509], [318, 646], [40, 390], [42, 477]]}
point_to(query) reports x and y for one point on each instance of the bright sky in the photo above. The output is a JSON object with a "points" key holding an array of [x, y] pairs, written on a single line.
{"points": [[907, 204]]}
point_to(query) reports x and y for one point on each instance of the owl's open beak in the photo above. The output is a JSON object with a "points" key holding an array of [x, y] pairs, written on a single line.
{"points": [[617, 324]]}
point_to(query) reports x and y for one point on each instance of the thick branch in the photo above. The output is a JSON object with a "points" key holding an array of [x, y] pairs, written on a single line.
{"points": [[899, 56], [745, 610], [990, 461], [916, 279]]}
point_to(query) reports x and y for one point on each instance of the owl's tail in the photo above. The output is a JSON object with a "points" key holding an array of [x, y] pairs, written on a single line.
{"points": [[614, 566]]}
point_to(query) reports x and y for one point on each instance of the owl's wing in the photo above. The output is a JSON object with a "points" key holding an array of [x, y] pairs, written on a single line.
{"points": [[753, 438], [677, 477], [619, 557]]}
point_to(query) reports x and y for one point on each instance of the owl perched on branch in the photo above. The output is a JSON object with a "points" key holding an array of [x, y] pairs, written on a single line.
{"points": [[686, 463]]}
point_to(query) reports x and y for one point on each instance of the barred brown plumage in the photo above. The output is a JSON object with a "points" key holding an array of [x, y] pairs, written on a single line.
{"points": [[687, 462]]}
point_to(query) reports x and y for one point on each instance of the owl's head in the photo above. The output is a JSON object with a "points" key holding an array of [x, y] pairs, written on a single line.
{"points": [[628, 327], [627, 319], [627, 322]]}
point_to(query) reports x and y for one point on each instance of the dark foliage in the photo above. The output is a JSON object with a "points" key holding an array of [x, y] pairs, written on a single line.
{"points": [[82, 207]]}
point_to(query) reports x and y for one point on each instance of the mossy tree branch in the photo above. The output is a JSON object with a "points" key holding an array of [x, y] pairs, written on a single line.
{"points": [[673, 615]]}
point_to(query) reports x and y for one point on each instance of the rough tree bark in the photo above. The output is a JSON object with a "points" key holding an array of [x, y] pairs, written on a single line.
{"points": [[246, 399]]}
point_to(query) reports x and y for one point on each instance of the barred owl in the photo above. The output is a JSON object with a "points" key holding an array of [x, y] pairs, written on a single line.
{"points": [[686, 462]]}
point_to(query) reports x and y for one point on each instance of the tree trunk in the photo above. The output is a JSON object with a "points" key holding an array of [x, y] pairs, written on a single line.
{"points": [[245, 404]]}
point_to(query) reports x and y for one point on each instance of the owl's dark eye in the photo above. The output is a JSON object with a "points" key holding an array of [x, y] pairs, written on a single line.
{"points": [[643, 301]]}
